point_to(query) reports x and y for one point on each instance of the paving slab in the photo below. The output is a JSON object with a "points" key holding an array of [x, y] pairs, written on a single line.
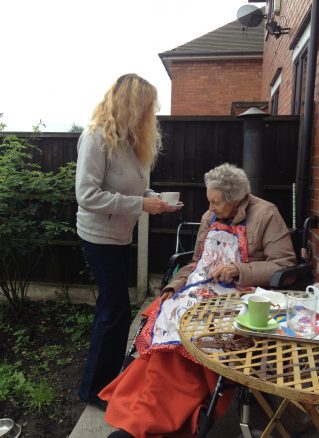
{"points": [[91, 424]]}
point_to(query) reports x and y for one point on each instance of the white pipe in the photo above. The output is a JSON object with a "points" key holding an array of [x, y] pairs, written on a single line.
{"points": [[293, 205]]}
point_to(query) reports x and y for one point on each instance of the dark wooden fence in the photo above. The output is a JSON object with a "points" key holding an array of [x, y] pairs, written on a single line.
{"points": [[191, 147], [194, 145]]}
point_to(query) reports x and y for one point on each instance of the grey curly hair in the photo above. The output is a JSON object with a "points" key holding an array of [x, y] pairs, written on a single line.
{"points": [[231, 180]]}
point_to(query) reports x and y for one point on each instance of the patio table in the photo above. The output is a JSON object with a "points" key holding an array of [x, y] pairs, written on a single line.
{"points": [[286, 368]]}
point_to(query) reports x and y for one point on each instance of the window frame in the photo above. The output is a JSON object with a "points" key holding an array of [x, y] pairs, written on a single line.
{"points": [[274, 91], [274, 103], [299, 79], [271, 8]]}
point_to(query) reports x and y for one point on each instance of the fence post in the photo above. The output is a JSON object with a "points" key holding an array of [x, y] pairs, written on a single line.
{"points": [[142, 256]]}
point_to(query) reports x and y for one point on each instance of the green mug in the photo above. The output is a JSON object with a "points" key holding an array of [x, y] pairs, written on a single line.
{"points": [[259, 309]]}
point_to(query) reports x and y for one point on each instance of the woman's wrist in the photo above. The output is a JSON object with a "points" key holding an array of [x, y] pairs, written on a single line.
{"points": [[168, 290]]}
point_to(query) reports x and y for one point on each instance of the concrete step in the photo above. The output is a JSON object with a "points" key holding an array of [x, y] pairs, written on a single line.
{"points": [[91, 423]]}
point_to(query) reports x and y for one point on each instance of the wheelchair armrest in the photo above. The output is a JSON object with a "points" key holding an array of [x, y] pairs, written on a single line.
{"points": [[278, 277], [178, 259]]}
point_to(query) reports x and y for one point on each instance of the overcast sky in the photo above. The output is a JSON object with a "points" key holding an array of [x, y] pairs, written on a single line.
{"points": [[59, 57]]}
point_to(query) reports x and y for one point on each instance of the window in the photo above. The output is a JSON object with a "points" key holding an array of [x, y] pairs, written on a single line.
{"points": [[274, 92], [299, 57], [299, 82], [272, 8], [274, 102]]}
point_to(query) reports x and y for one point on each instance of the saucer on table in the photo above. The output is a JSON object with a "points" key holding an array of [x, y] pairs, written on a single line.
{"points": [[243, 320], [275, 297]]}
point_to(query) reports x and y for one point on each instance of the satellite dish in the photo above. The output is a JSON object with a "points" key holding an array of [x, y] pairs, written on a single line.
{"points": [[250, 16]]}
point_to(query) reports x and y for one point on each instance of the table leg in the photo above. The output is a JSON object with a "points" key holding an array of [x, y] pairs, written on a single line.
{"points": [[313, 413], [275, 421]]}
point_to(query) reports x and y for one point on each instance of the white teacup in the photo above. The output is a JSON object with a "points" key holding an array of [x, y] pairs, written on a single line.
{"points": [[314, 288], [171, 198]]}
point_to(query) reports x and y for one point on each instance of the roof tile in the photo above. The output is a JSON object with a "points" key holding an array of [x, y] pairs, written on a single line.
{"points": [[229, 39]]}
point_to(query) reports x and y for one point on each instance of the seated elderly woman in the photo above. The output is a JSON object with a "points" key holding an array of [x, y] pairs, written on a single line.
{"points": [[241, 242]]}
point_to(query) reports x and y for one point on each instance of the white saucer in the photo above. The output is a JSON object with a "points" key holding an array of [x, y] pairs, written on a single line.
{"points": [[176, 206], [275, 297]]}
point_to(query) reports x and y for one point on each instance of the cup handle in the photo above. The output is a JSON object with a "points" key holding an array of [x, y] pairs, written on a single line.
{"points": [[276, 313], [310, 289]]}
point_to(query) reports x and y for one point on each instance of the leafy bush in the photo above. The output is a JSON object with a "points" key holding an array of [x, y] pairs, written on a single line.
{"points": [[36, 364], [11, 383], [76, 326], [14, 386], [40, 395], [30, 214]]}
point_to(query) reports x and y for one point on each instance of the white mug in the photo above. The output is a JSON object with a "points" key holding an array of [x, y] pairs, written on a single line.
{"points": [[171, 198], [314, 288]]}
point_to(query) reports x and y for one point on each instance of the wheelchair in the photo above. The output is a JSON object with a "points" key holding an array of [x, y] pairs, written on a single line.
{"points": [[301, 274]]}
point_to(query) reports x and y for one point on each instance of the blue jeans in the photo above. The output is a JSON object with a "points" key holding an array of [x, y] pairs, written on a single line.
{"points": [[109, 265]]}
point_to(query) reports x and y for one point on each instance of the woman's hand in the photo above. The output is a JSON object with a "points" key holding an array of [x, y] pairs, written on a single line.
{"points": [[154, 205], [172, 208], [166, 295], [225, 273]]}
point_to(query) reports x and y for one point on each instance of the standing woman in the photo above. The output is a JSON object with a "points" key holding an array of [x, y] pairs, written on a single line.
{"points": [[115, 153]]}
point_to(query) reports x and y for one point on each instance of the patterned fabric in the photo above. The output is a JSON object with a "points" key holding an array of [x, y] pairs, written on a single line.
{"points": [[223, 244]]}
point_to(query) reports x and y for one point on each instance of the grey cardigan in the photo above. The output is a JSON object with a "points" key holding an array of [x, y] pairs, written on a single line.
{"points": [[109, 192]]}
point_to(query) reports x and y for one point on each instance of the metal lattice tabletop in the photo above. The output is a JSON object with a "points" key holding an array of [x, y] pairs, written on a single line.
{"points": [[288, 369]]}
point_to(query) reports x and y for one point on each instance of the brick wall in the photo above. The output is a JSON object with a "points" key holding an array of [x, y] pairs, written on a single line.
{"points": [[277, 54], [210, 87], [315, 178]]}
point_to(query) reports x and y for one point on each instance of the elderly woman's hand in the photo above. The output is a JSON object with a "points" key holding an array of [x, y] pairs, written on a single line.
{"points": [[166, 295], [225, 273]]}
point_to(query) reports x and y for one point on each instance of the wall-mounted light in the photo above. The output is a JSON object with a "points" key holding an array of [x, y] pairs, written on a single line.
{"points": [[275, 29]]}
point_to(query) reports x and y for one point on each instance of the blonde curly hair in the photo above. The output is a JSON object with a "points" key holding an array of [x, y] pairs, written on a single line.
{"points": [[127, 114]]}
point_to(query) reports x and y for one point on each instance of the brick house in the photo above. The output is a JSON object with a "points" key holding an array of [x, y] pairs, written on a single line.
{"points": [[283, 83], [209, 74], [285, 77]]}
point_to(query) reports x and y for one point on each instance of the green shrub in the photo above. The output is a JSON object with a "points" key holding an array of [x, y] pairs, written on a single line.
{"points": [[30, 214], [40, 395], [15, 387], [11, 383]]}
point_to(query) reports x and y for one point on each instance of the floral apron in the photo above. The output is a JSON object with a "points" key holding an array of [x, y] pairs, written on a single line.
{"points": [[223, 244]]}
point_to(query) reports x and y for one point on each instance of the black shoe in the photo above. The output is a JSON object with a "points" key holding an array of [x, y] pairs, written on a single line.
{"points": [[97, 402], [120, 434]]}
